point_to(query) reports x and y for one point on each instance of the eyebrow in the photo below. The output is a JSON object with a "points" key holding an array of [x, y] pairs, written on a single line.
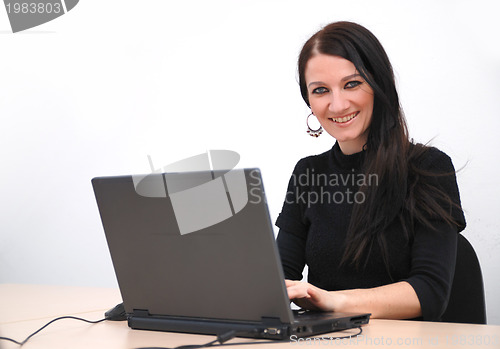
{"points": [[350, 76], [345, 78]]}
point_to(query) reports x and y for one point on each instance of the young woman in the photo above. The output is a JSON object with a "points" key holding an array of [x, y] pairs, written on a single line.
{"points": [[376, 217]]}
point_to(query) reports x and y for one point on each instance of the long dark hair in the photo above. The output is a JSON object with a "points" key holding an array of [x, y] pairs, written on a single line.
{"points": [[402, 192]]}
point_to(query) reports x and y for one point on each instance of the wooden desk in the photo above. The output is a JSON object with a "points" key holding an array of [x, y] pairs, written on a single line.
{"points": [[25, 308]]}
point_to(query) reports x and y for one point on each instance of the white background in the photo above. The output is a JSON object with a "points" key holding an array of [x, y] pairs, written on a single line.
{"points": [[95, 91]]}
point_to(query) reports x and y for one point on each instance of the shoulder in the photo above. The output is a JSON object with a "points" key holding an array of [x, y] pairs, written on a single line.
{"points": [[433, 177], [427, 158], [431, 166]]}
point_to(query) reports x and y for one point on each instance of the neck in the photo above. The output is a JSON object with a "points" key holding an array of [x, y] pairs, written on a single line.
{"points": [[351, 147]]}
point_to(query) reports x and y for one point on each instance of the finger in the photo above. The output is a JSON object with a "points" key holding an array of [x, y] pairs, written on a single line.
{"points": [[297, 292], [313, 293], [319, 299], [291, 282]]}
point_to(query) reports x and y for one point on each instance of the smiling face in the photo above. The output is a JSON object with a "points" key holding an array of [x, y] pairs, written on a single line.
{"points": [[341, 100]]}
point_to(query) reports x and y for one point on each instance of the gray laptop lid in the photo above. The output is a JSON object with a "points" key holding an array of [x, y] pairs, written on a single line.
{"points": [[168, 263]]}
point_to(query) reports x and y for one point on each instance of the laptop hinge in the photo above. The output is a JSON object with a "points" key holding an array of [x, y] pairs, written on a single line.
{"points": [[141, 313], [271, 321]]}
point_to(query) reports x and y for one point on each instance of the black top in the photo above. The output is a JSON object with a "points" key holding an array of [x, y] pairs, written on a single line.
{"points": [[315, 218]]}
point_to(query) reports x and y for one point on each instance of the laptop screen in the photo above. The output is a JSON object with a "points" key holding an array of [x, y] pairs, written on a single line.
{"points": [[197, 244]]}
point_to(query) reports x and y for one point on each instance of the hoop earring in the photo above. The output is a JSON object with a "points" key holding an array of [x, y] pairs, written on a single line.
{"points": [[313, 133]]}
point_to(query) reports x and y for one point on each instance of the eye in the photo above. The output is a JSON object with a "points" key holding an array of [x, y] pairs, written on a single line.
{"points": [[352, 84], [320, 90]]}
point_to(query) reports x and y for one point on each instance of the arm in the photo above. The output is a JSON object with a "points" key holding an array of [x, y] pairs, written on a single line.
{"points": [[424, 293], [394, 301], [292, 254], [292, 236]]}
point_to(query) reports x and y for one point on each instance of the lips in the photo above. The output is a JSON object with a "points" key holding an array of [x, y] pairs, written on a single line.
{"points": [[344, 119]]}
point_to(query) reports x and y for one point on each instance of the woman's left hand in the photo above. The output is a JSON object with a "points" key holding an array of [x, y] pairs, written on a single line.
{"points": [[394, 301], [310, 297]]}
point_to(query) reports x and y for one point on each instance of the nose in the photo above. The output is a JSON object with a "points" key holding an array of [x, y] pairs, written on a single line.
{"points": [[339, 103]]}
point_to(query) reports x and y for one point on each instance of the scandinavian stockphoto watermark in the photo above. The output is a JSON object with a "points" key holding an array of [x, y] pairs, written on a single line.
{"points": [[453, 340], [26, 14], [311, 188], [204, 189], [207, 189]]}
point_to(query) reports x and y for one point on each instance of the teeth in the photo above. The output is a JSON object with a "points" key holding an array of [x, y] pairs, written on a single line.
{"points": [[345, 118]]}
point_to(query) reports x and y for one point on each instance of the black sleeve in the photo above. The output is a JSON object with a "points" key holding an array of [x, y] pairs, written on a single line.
{"points": [[434, 250], [292, 217], [293, 226], [292, 253], [432, 268]]}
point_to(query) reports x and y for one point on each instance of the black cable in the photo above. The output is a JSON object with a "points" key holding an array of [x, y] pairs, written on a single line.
{"points": [[220, 338], [213, 343], [47, 324]]}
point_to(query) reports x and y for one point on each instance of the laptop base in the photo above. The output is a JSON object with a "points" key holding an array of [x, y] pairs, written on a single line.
{"points": [[267, 329]]}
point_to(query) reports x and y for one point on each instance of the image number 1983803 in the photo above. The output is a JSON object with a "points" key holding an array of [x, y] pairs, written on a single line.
{"points": [[26, 14]]}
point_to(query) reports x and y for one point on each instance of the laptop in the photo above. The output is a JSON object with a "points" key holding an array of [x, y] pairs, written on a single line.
{"points": [[195, 252]]}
